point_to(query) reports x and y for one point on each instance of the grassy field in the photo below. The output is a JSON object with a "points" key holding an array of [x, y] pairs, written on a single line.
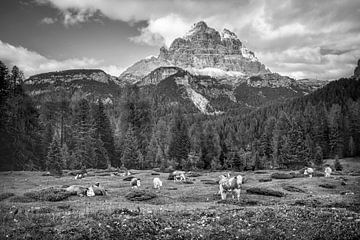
{"points": [[184, 211]]}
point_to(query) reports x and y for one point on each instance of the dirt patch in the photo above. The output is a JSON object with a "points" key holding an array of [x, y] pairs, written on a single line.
{"points": [[128, 178], [265, 192]]}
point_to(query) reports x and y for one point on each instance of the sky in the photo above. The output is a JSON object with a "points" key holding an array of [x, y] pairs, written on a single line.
{"points": [[298, 38]]}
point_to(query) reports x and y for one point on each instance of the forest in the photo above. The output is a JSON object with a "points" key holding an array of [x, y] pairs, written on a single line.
{"points": [[67, 129]]}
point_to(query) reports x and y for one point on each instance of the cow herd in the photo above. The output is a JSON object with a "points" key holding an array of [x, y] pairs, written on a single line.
{"points": [[227, 184]]}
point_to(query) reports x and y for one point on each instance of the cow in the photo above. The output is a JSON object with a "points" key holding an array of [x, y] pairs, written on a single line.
{"points": [[135, 183], [76, 190], [231, 184], [179, 176], [327, 171], [79, 176], [95, 189], [157, 183], [309, 171]]}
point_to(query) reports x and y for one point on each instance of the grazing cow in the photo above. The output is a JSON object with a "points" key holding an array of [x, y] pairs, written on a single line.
{"points": [[179, 176], [157, 183], [231, 184], [309, 171], [327, 171], [135, 183]]}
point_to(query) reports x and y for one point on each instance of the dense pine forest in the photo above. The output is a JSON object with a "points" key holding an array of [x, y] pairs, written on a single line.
{"points": [[71, 130]]}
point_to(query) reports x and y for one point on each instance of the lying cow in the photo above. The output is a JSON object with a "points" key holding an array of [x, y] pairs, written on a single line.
{"points": [[135, 183], [76, 190], [309, 171], [95, 189], [328, 171], [231, 184], [157, 183]]}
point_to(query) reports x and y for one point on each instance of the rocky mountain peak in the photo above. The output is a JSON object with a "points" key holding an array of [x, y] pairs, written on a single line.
{"points": [[202, 48]]}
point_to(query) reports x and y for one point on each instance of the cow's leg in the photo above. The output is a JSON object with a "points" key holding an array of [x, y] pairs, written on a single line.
{"points": [[222, 192], [238, 193]]}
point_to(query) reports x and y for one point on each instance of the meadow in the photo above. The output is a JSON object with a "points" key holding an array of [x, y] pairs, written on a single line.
{"points": [[301, 208]]}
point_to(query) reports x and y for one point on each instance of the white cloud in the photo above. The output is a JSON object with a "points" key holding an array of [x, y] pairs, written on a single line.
{"points": [[286, 35], [48, 20], [31, 62], [162, 31]]}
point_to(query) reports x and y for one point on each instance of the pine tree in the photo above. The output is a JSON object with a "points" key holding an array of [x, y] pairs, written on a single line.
{"points": [[53, 160], [210, 148], [130, 155], [179, 146], [318, 156], [65, 156], [337, 164], [104, 132], [336, 130]]}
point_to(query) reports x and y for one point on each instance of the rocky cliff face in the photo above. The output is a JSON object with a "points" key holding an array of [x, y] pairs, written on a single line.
{"points": [[73, 75], [203, 50], [204, 47]]}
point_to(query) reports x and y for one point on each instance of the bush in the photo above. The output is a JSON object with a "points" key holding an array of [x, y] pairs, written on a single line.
{"points": [[49, 194], [210, 182], [265, 180], [22, 199], [265, 191], [6, 195], [140, 195], [327, 185], [337, 165], [282, 176], [293, 189]]}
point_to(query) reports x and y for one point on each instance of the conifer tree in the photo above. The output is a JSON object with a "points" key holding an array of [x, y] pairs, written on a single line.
{"points": [[104, 132], [318, 156], [130, 154], [53, 160], [179, 146]]}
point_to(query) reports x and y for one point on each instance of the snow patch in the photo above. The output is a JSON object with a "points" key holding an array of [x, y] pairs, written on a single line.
{"points": [[227, 34], [248, 54], [215, 72]]}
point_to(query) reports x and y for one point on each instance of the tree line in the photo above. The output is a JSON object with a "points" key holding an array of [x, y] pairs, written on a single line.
{"points": [[67, 130]]}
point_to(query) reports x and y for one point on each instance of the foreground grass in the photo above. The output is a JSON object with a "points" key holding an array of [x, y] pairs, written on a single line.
{"points": [[276, 222], [33, 207]]}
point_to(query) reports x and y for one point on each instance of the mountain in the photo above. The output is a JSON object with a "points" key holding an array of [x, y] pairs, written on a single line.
{"points": [[90, 81], [202, 51], [206, 71]]}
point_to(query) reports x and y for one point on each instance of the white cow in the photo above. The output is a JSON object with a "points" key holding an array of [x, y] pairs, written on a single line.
{"points": [[328, 171], [231, 184], [157, 183], [135, 183], [309, 171], [79, 176], [179, 176]]}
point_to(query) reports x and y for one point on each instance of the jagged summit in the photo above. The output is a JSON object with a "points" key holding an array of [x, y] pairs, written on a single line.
{"points": [[202, 48]]}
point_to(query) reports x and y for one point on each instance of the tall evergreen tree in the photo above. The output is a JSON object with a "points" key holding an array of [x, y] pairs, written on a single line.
{"points": [[104, 132], [130, 155], [54, 160], [179, 146]]}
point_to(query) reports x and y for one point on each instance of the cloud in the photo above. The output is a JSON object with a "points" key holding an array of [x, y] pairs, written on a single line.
{"points": [[292, 34], [162, 31], [31, 62], [48, 20]]}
